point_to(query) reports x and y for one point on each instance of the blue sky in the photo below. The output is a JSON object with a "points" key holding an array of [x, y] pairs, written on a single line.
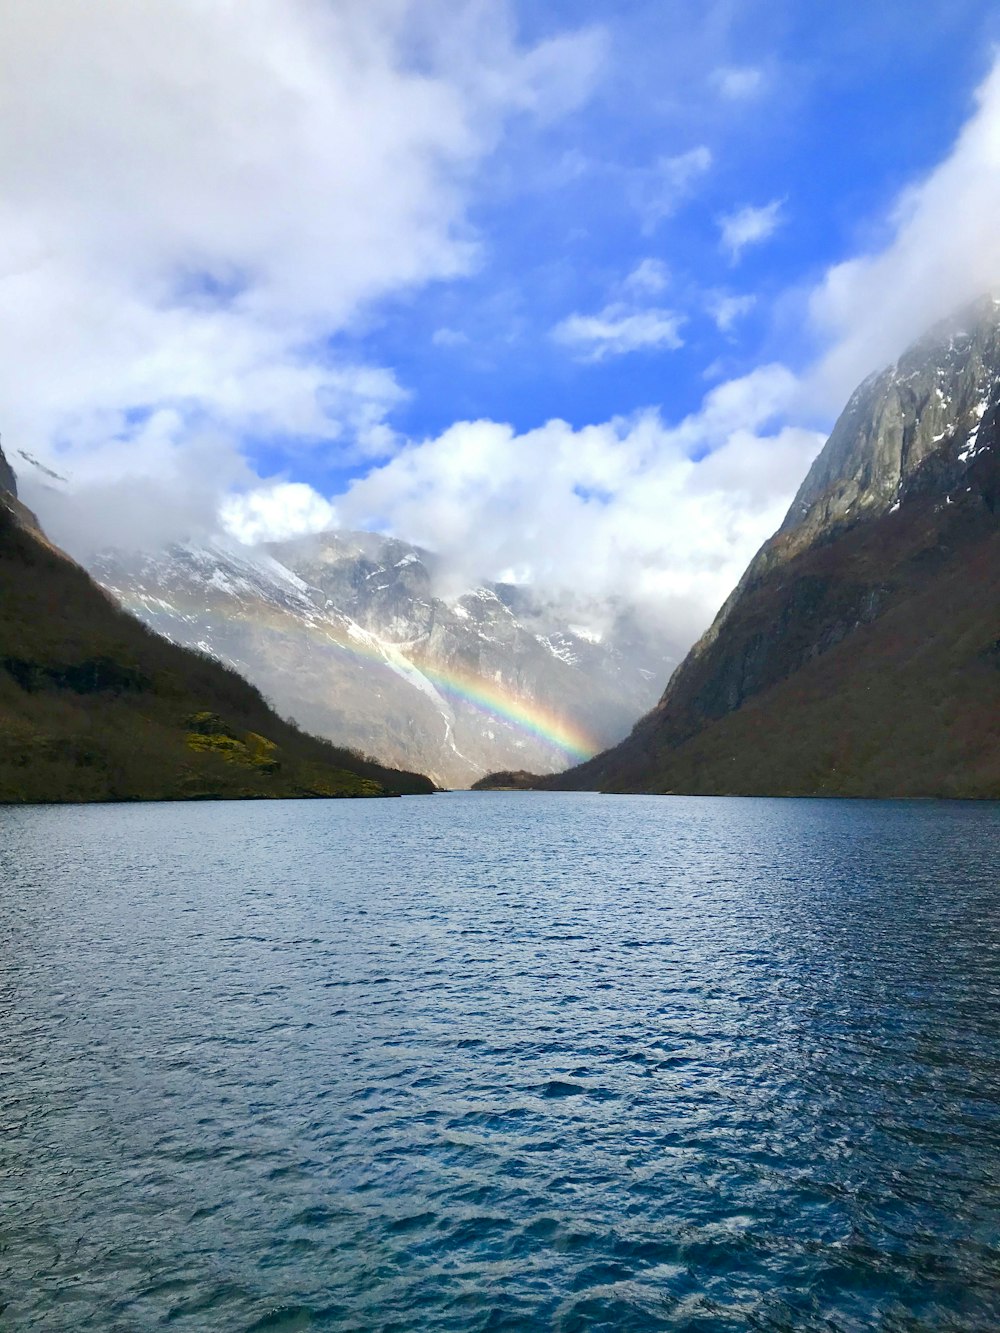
{"points": [[570, 292], [853, 102]]}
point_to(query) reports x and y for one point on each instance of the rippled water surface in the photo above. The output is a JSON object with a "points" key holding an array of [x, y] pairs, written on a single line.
{"points": [[505, 1061]]}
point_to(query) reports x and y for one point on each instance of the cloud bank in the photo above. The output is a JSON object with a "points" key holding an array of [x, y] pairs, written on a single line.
{"points": [[664, 516], [671, 514], [205, 194]]}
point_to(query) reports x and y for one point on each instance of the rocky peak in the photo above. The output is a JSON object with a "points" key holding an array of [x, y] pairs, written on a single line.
{"points": [[931, 402], [12, 506], [858, 654], [914, 427], [918, 428]]}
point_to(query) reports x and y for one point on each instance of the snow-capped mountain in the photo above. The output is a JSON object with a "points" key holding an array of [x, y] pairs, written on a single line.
{"points": [[349, 634]]}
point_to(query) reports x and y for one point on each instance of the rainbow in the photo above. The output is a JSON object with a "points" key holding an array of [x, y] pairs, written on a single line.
{"points": [[527, 715], [531, 718]]}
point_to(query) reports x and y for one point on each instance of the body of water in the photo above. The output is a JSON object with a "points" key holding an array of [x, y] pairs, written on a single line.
{"points": [[500, 1061]]}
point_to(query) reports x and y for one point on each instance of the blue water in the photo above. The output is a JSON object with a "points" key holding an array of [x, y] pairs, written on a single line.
{"points": [[513, 1061]]}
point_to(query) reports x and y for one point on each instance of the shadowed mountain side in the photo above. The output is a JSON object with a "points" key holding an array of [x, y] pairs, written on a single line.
{"points": [[94, 706], [519, 781], [859, 655]]}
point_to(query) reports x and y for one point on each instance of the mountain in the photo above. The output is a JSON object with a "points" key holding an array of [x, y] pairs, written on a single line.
{"points": [[95, 706], [351, 633], [520, 781], [859, 654]]}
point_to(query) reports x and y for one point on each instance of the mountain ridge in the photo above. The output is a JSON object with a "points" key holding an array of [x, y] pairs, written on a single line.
{"points": [[895, 523]]}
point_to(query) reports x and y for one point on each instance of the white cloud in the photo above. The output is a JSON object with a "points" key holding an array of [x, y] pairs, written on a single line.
{"points": [[618, 329], [666, 516], [650, 277], [135, 487], [205, 194], [944, 250], [669, 515], [726, 309], [275, 513], [658, 192], [749, 226], [446, 337], [738, 82]]}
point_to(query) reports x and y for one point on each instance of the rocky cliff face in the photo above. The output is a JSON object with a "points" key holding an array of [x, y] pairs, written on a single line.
{"points": [[349, 633], [8, 482], [871, 613], [9, 498], [912, 428]]}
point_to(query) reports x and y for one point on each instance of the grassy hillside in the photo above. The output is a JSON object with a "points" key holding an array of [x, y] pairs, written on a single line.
{"points": [[93, 706]]}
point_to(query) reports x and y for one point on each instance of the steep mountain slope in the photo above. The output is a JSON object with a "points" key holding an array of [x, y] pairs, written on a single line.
{"points": [[860, 653], [348, 633], [93, 706]]}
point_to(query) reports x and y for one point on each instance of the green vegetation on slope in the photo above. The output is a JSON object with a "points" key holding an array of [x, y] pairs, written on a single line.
{"points": [[93, 706]]}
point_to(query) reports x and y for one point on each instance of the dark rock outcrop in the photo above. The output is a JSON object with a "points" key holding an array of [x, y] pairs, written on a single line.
{"points": [[517, 781], [8, 482]]}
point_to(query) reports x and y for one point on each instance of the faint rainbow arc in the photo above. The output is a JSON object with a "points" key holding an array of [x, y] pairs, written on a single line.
{"points": [[529, 716]]}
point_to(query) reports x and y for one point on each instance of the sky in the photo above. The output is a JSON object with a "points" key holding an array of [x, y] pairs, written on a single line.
{"points": [[570, 292]]}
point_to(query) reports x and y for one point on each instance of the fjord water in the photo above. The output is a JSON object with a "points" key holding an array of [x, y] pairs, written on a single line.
{"points": [[500, 1061]]}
